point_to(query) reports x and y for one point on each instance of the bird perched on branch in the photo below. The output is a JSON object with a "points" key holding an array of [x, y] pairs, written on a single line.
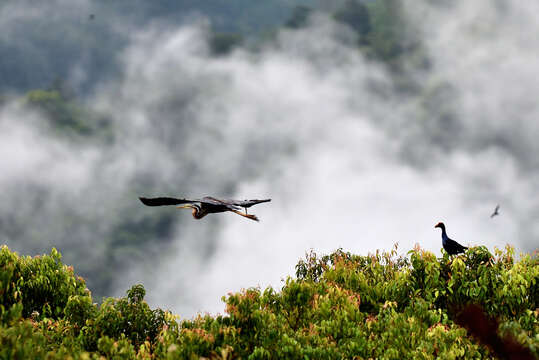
{"points": [[451, 246], [206, 205], [495, 211]]}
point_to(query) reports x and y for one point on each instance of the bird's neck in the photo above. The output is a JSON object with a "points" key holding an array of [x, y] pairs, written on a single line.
{"points": [[444, 235], [198, 213]]}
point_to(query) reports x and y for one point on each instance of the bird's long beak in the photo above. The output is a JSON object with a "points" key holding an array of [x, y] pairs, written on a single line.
{"points": [[187, 206]]}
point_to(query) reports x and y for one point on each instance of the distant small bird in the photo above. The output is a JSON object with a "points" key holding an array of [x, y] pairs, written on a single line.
{"points": [[495, 211], [91, 16], [206, 205], [451, 246]]}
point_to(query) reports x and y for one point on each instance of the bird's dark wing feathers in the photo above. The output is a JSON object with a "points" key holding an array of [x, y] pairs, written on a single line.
{"points": [[240, 203], [217, 202], [160, 201], [232, 203], [247, 203], [455, 245]]}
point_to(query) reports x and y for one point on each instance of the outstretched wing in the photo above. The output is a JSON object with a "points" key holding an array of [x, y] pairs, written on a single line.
{"points": [[249, 203], [160, 201], [243, 203], [218, 202]]}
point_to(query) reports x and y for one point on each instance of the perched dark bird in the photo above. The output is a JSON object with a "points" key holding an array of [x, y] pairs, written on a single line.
{"points": [[451, 246], [495, 211], [206, 205]]}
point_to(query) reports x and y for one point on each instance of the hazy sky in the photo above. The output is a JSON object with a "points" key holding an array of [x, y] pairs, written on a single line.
{"points": [[298, 122]]}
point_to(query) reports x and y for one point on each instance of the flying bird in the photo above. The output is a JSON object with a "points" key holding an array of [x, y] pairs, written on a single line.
{"points": [[451, 246], [495, 211], [206, 205]]}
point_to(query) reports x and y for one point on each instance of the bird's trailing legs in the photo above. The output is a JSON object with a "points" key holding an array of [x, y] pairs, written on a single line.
{"points": [[248, 216]]}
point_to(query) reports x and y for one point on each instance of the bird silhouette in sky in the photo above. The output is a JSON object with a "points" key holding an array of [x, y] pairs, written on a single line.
{"points": [[495, 211], [206, 205]]}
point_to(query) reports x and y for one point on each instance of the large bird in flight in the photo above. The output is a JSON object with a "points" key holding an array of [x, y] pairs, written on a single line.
{"points": [[451, 246], [206, 205]]}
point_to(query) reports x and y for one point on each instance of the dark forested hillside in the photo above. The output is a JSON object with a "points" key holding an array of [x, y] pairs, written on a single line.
{"points": [[241, 16], [80, 41]]}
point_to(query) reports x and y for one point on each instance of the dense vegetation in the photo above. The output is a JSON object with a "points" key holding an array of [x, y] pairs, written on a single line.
{"points": [[338, 306]]}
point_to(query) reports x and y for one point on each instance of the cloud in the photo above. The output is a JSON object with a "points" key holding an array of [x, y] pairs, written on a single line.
{"points": [[297, 121]]}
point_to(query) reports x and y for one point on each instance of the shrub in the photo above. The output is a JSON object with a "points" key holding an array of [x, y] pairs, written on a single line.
{"points": [[339, 306], [377, 306], [130, 318], [42, 284]]}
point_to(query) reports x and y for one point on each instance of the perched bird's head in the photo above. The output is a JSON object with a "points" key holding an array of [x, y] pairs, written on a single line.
{"points": [[440, 225]]}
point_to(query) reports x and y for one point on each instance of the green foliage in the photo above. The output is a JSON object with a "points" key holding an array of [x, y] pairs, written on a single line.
{"points": [[356, 15], [11, 346], [130, 317], [385, 34], [378, 306], [339, 306], [118, 350], [79, 309], [42, 284], [224, 43], [64, 114], [388, 36], [299, 17]]}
